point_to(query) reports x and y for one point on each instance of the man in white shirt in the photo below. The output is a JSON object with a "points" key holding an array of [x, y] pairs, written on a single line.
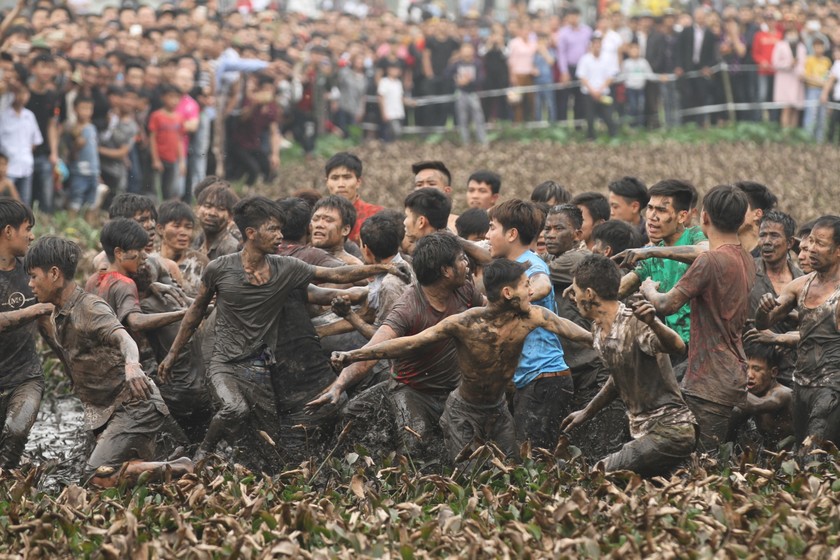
{"points": [[596, 71], [19, 134]]}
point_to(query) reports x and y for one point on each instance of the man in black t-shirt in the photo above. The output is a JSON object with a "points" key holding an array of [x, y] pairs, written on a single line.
{"points": [[250, 288], [21, 378], [44, 104]]}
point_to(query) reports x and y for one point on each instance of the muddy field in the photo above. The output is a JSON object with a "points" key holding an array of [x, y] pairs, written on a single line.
{"points": [[804, 176]]}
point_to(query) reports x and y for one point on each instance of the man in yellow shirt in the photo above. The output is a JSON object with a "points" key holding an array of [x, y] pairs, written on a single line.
{"points": [[817, 66]]}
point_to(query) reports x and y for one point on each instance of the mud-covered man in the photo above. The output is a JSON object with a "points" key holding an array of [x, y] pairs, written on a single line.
{"points": [[488, 342], [122, 406], [769, 403], [816, 380], [422, 380], [214, 212], [21, 377], [250, 288], [634, 346]]}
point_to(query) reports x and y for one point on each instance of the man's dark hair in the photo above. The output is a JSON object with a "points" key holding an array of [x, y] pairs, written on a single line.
{"points": [[474, 221], [124, 233], [43, 58], [726, 206], [14, 213], [175, 211], [127, 205], [547, 190], [436, 165], [805, 229], [572, 212], [168, 89], [383, 233], [82, 99], [786, 220], [432, 204], [631, 189], [596, 203], [208, 181], [759, 195], [617, 235], [344, 159], [254, 211], [52, 251], [296, 217], [829, 222], [494, 180], [682, 193], [599, 273], [218, 194], [3, 156], [345, 208], [501, 273], [523, 215], [432, 253], [764, 352]]}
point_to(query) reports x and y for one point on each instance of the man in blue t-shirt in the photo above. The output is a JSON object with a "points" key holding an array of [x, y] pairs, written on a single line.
{"points": [[543, 382]]}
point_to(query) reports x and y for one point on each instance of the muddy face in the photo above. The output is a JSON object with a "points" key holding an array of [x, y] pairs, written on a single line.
{"points": [[773, 242], [559, 234], [328, 231], [212, 217], [759, 376], [663, 221], [178, 236]]}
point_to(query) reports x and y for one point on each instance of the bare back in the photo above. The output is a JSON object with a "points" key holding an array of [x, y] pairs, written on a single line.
{"points": [[488, 348]]}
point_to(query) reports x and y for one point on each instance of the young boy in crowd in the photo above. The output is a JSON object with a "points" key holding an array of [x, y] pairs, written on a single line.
{"points": [[636, 71], [769, 403], [391, 103], [166, 133], [81, 143], [634, 346]]}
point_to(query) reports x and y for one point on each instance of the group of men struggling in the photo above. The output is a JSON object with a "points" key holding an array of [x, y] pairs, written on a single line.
{"points": [[494, 335]]}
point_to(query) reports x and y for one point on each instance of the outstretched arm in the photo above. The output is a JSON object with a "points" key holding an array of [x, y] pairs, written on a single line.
{"points": [[398, 346], [562, 327], [139, 322], [683, 253], [789, 339], [352, 374], [350, 274], [191, 321], [325, 296], [12, 319]]}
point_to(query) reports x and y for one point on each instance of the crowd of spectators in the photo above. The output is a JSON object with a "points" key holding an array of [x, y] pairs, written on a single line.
{"points": [[149, 101]]}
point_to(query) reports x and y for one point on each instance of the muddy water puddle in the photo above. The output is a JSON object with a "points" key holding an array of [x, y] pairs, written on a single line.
{"points": [[58, 439]]}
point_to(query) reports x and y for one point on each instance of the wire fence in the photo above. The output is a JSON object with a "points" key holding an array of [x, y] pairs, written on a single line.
{"points": [[730, 106]]}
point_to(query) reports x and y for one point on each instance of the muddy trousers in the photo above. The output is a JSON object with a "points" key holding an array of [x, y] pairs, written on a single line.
{"points": [[245, 396], [539, 408], [663, 447], [466, 426], [816, 413], [712, 420], [19, 408]]}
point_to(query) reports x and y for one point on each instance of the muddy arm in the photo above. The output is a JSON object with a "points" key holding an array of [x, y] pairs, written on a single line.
{"points": [[139, 322], [12, 319]]}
